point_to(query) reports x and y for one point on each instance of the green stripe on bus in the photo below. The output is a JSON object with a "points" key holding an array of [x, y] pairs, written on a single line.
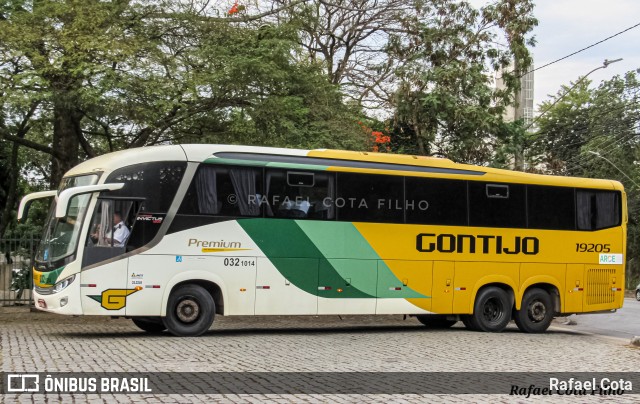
{"points": [[342, 239], [50, 278], [310, 255], [236, 162], [297, 258]]}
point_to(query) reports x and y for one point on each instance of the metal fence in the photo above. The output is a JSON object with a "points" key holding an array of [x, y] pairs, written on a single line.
{"points": [[16, 256]]}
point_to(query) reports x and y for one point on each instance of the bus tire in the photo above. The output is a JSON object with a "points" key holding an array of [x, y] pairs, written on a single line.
{"points": [[153, 325], [492, 310], [435, 321], [536, 312], [468, 322], [190, 311]]}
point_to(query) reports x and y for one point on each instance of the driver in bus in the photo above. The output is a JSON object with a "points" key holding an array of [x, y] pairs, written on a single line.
{"points": [[120, 232]]}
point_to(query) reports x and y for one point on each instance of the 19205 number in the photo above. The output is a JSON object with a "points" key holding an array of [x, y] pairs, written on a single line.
{"points": [[237, 262], [584, 247]]}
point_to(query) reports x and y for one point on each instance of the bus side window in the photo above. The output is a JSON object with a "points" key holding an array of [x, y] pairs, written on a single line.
{"points": [[224, 191], [497, 205], [436, 201], [370, 198], [597, 209], [551, 208], [110, 232], [300, 195]]}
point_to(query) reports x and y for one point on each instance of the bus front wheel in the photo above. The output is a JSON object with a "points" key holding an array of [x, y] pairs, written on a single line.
{"points": [[536, 313], [152, 325], [190, 311], [492, 310]]}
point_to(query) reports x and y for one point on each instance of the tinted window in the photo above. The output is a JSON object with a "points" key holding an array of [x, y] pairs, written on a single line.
{"points": [[300, 195], [496, 205], [551, 208], [224, 191], [597, 209], [435, 201], [156, 182], [116, 228], [370, 198]]}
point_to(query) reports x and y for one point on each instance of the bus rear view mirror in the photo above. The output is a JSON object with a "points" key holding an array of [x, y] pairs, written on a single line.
{"points": [[26, 201]]}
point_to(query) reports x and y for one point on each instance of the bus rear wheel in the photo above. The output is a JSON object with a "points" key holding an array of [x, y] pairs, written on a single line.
{"points": [[536, 313], [152, 325], [492, 310], [190, 311], [435, 321]]}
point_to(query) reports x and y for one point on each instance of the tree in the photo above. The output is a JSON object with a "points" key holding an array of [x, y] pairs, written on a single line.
{"points": [[101, 76], [562, 130], [349, 39], [81, 78], [603, 120], [447, 95]]}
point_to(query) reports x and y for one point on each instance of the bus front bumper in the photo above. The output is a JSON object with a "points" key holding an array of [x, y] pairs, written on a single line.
{"points": [[67, 301]]}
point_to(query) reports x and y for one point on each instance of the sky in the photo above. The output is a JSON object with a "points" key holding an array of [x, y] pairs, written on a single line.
{"points": [[565, 26]]}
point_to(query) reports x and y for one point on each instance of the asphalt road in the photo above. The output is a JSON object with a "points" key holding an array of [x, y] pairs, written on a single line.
{"points": [[625, 323]]}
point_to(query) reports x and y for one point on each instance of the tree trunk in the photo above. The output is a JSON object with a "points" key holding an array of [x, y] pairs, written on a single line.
{"points": [[422, 148], [14, 171], [66, 140]]}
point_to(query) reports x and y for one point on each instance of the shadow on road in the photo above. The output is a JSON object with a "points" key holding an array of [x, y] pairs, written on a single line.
{"points": [[307, 331]]}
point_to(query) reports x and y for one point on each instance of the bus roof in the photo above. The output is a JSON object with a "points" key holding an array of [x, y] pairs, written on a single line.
{"points": [[332, 160]]}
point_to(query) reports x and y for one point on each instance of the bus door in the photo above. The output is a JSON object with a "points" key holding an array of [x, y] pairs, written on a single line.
{"points": [[104, 283], [443, 272]]}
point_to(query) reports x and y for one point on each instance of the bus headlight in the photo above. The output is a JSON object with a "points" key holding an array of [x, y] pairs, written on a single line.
{"points": [[58, 287]]}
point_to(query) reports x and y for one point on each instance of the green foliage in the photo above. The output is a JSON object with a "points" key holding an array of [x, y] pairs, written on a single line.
{"points": [[603, 120], [447, 95], [21, 279], [79, 78]]}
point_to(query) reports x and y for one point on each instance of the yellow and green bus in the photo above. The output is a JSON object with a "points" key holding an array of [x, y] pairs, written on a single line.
{"points": [[170, 236]]}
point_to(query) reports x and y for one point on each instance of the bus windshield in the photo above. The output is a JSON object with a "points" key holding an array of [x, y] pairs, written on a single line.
{"points": [[61, 235]]}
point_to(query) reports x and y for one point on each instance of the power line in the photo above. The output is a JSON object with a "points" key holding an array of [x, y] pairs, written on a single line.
{"points": [[628, 103], [614, 139], [601, 139], [582, 50], [575, 161], [577, 164]]}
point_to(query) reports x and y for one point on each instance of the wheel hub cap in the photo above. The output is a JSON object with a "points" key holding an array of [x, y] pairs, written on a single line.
{"points": [[188, 310], [492, 310], [537, 311]]}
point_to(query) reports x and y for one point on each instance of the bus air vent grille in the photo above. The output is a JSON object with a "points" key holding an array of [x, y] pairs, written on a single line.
{"points": [[598, 286]]}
